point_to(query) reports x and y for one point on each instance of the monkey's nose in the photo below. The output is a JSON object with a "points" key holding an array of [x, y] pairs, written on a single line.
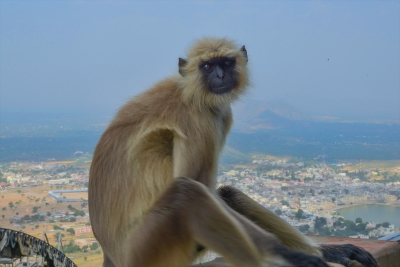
{"points": [[220, 73]]}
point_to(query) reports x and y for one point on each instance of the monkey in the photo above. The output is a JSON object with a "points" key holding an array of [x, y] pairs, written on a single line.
{"points": [[152, 183]]}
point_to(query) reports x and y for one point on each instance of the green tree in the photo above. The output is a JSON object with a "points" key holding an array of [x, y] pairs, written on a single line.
{"points": [[361, 227], [386, 224], [278, 212], [285, 203], [79, 213], [85, 248], [319, 222], [299, 214], [358, 220], [350, 225], [94, 246], [11, 205], [71, 231], [324, 231], [336, 224], [71, 247], [56, 227], [304, 228]]}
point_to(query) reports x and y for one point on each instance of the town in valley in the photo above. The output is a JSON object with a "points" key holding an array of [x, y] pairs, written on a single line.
{"points": [[51, 197]]}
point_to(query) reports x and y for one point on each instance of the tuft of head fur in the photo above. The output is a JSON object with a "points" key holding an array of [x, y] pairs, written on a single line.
{"points": [[192, 85]]}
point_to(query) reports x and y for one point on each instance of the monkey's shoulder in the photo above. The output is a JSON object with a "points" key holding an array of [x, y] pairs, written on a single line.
{"points": [[160, 98], [163, 107], [165, 102]]}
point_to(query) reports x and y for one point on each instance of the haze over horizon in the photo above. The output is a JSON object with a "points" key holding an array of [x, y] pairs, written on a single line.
{"points": [[324, 58]]}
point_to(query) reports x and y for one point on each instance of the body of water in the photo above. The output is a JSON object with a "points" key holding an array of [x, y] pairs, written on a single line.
{"points": [[372, 212]]}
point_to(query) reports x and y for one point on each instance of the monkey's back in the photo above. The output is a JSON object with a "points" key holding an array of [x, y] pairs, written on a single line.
{"points": [[132, 163]]}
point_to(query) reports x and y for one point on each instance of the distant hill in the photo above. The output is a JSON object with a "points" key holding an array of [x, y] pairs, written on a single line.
{"points": [[282, 130], [274, 129], [257, 115]]}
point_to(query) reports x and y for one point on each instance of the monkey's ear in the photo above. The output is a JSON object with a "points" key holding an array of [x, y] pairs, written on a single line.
{"points": [[182, 63], [244, 51]]}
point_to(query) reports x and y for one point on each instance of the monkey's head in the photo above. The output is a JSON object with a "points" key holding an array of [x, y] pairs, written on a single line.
{"points": [[214, 72]]}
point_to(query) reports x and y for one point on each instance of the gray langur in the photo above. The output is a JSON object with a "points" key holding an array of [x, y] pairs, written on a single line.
{"points": [[152, 197]]}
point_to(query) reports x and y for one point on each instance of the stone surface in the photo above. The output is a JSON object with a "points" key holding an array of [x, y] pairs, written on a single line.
{"points": [[387, 253]]}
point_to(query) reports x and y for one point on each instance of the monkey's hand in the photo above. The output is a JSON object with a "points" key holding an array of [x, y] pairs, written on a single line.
{"points": [[348, 255]]}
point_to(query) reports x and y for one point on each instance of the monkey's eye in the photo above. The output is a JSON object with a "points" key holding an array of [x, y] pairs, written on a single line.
{"points": [[206, 66], [228, 63]]}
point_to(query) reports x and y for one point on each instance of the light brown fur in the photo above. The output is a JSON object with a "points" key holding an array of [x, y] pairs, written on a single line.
{"points": [[141, 213]]}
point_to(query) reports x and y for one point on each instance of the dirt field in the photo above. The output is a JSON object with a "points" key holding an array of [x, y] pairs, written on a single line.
{"points": [[94, 260], [24, 199]]}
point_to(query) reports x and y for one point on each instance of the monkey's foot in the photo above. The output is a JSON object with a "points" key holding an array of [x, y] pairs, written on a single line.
{"points": [[348, 255], [297, 259]]}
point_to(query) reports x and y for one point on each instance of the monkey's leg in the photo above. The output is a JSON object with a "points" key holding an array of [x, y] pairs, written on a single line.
{"points": [[186, 215], [189, 214], [288, 235]]}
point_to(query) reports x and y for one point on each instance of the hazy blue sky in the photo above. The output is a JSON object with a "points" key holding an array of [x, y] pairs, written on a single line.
{"points": [[327, 58]]}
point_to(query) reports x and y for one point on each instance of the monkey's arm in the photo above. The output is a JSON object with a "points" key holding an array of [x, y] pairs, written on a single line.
{"points": [[195, 157], [268, 220], [288, 235]]}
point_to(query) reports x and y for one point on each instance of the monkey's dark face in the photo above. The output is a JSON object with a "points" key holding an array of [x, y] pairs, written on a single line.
{"points": [[219, 74]]}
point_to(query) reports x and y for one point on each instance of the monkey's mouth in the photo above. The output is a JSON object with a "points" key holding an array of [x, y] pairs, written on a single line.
{"points": [[221, 90]]}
